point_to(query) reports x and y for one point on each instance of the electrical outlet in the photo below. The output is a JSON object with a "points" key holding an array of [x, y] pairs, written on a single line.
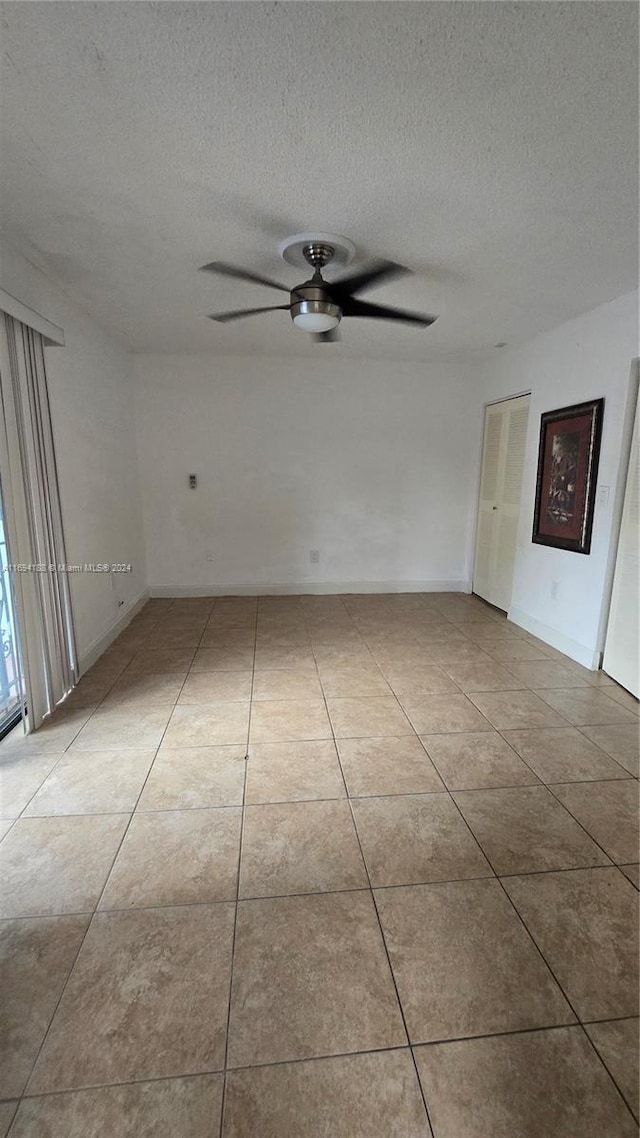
{"points": [[314, 556]]}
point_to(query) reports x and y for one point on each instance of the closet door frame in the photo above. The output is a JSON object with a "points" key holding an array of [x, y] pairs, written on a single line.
{"points": [[631, 409], [503, 444]]}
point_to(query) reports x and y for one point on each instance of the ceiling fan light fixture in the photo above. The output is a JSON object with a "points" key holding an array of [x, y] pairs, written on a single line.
{"points": [[315, 315]]}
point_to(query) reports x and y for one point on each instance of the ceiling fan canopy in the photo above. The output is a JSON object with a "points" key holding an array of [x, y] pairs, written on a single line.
{"points": [[317, 306]]}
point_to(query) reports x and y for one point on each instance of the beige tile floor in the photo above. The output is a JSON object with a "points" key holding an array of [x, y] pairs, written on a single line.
{"points": [[322, 867]]}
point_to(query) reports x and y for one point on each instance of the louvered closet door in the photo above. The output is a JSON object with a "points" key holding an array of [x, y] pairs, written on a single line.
{"points": [[621, 649], [505, 435]]}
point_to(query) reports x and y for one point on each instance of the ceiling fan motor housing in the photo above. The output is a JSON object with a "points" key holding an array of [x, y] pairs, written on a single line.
{"points": [[311, 298]]}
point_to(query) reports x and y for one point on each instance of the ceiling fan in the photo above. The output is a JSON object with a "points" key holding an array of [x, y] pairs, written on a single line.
{"points": [[317, 306]]}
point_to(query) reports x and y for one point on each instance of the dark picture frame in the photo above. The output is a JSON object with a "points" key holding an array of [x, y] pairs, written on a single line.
{"points": [[568, 458]]}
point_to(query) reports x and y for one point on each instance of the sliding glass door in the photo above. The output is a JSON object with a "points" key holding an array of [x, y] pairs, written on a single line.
{"points": [[35, 597], [11, 685]]}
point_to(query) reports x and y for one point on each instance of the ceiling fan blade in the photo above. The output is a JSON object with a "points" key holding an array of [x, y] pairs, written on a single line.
{"points": [[352, 307], [377, 273], [225, 270], [225, 317], [330, 337]]}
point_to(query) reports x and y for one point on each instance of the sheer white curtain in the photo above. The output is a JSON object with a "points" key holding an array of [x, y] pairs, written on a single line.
{"points": [[33, 520]]}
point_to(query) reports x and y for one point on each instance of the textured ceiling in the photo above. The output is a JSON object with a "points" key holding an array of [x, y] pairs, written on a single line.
{"points": [[489, 146]]}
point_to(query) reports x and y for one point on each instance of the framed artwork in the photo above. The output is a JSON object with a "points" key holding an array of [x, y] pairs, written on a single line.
{"points": [[567, 475]]}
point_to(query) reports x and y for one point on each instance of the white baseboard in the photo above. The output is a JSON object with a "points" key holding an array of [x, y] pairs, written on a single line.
{"points": [[311, 587], [100, 645], [588, 657]]}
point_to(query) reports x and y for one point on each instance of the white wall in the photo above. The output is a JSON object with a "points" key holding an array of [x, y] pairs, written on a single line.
{"points": [[90, 389], [560, 596], [372, 463]]}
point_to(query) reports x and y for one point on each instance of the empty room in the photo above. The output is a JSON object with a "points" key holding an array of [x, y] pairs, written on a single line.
{"points": [[319, 569]]}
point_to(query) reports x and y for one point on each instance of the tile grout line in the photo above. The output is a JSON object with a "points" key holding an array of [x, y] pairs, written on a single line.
{"points": [[580, 727], [92, 913], [68, 754], [329, 1055], [392, 974], [381, 931], [522, 920], [579, 1023], [37, 791], [611, 861], [492, 876], [609, 1072], [563, 727], [91, 712], [223, 1101], [626, 776], [549, 786], [135, 807]]}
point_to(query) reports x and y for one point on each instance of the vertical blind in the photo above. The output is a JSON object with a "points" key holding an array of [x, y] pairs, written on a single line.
{"points": [[33, 520]]}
